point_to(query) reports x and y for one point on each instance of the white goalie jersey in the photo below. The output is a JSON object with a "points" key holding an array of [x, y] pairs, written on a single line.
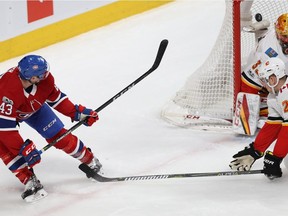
{"points": [[268, 47]]}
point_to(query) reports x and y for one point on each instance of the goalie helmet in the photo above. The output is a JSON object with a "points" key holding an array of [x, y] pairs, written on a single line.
{"points": [[273, 66], [33, 65], [281, 24], [281, 28]]}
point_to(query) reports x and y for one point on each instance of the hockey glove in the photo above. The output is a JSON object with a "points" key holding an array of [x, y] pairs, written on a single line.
{"points": [[244, 159], [89, 115], [29, 152], [271, 167]]}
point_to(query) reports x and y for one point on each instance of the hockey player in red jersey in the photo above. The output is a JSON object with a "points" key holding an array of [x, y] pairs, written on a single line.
{"points": [[28, 93], [274, 79]]}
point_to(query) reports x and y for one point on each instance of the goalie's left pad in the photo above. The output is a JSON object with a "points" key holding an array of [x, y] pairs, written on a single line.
{"points": [[246, 114]]}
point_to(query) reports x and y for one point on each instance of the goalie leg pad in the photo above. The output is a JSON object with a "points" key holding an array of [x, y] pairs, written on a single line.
{"points": [[246, 113]]}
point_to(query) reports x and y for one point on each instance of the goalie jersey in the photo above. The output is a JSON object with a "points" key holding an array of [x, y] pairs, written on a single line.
{"points": [[268, 47]]}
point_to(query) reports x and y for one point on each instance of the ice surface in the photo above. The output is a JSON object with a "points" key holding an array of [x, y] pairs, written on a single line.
{"points": [[130, 138]]}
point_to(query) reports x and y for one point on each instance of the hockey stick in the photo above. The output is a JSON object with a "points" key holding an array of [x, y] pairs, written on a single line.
{"points": [[100, 178], [159, 56]]}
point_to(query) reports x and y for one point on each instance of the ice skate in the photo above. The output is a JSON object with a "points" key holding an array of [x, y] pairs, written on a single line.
{"points": [[92, 168], [95, 166], [33, 190]]}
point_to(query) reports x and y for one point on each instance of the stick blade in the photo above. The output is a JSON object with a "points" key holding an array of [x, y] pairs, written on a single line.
{"points": [[162, 48]]}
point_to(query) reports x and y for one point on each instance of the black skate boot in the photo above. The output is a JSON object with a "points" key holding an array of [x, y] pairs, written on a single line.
{"points": [[33, 190], [95, 167], [92, 168]]}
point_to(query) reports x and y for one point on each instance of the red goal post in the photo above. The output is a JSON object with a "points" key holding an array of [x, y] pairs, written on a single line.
{"points": [[207, 98]]}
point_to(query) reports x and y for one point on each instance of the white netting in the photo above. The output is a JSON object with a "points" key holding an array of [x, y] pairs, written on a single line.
{"points": [[207, 97]]}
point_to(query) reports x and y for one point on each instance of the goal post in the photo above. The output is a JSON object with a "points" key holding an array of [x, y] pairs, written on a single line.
{"points": [[236, 35], [207, 99]]}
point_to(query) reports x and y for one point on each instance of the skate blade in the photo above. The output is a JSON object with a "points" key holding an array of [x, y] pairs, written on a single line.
{"points": [[37, 196]]}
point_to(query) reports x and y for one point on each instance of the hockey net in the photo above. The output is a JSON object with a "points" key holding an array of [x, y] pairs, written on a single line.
{"points": [[207, 98]]}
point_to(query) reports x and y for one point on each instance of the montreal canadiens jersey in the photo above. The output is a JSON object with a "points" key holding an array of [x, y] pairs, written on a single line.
{"points": [[268, 47], [18, 104]]}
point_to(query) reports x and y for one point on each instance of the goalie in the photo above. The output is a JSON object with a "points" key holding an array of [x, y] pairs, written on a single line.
{"points": [[274, 79], [270, 43]]}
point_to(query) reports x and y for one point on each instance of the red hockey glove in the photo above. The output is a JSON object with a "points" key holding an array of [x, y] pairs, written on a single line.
{"points": [[82, 112], [29, 152]]}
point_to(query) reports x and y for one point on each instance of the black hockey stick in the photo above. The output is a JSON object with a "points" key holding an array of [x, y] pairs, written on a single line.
{"points": [[100, 178], [159, 56]]}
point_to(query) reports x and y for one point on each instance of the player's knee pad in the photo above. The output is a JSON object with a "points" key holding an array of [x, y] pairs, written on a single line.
{"points": [[67, 143]]}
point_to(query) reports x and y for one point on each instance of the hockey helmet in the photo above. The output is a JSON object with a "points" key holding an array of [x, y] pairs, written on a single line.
{"points": [[281, 24], [273, 66], [281, 28], [33, 65]]}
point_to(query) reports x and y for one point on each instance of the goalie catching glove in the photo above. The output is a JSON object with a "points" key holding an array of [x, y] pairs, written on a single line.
{"points": [[244, 159], [89, 115]]}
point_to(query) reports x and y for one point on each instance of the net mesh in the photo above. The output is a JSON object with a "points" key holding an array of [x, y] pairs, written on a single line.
{"points": [[207, 98]]}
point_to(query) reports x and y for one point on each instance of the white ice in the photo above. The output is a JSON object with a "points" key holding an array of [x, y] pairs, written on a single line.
{"points": [[131, 138]]}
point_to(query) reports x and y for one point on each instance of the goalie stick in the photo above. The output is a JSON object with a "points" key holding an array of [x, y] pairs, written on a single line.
{"points": [[157, 61], [100, 178]]}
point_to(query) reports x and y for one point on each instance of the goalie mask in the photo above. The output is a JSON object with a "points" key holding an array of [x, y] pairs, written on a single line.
{"points": [[273, 66], [281, 28]]}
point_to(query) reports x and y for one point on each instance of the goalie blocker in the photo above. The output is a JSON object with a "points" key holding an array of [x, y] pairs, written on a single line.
{"points": [[246, 114]]}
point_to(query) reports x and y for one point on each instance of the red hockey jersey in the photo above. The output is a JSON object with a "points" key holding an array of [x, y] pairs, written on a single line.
{"points": [[18, 104]]}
